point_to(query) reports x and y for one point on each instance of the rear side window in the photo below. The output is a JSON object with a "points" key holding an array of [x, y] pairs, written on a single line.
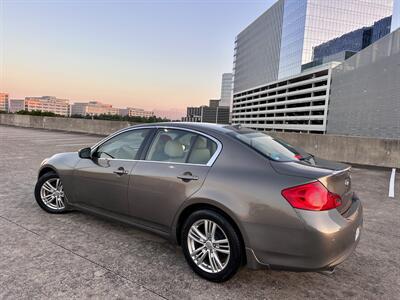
{"points": [[265, 144], [173, 145], [203, 150]]}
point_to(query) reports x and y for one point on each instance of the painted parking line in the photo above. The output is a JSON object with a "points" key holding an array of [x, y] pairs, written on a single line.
{"points": [[391, 183]]}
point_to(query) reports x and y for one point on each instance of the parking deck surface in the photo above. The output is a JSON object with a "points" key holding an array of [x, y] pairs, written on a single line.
{"points": [[80, 256]]}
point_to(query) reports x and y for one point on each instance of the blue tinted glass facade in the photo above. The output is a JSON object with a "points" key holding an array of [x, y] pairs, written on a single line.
{"points": [[293, 28], [354, 41], [396, 15], [309, 23]]}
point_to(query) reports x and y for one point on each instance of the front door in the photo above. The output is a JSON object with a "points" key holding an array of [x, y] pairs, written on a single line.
{"points": [[174, 168], [102, 182]]}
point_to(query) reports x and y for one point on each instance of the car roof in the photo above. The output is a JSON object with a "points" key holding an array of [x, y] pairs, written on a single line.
{"points": [[205, 127]]}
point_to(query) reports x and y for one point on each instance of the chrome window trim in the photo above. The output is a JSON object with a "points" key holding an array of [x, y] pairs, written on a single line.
{"points": [[208, 164]]}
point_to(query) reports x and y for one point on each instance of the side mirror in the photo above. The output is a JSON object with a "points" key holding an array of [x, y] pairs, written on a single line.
{"points": [[85, 153]]}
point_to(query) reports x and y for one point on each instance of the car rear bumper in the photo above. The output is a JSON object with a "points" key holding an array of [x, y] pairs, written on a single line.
{"points": [[327, 240]]}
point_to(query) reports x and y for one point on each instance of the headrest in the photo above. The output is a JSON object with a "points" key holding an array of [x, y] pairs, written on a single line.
{"points": [[165, 138], [201, 143], [173, 149]]}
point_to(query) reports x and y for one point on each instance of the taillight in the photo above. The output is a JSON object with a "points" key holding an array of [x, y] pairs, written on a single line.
{"points": [[311, 196]]}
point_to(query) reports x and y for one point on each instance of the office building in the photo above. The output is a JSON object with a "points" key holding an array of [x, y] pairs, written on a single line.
{"points": [[93, 108], [297, 103], [16, 105], [136, 112], [365, 92], [282, 39], [396, 15], [48, 104], [226, 89], [353, 41], [208, 114], [4, 102]]}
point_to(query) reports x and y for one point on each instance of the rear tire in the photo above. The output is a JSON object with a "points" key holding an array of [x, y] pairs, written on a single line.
{"points": [[211, 245], [49, 193]]}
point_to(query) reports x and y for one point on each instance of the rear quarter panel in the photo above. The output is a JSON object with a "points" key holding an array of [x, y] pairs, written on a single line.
{"points": [[244, 185]]}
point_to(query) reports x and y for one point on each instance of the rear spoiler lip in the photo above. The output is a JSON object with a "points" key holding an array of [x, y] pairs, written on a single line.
{"points": [[324, 179]]}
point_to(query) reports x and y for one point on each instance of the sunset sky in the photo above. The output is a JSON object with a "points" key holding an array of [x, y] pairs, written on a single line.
{"points": [[162, 55]]}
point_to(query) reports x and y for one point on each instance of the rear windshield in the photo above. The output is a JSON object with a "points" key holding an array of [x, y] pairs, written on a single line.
{"points": [[273, 148]]}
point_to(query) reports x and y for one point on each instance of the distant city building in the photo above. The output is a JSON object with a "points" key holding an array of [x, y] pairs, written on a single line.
{"points": [[93, 108], [296, 103], [3, 102], [136, 112], [365, 92], [16, 105], [208, 114], [226, 89], [48, 104], [353, 41], [282, 39], [214, 102]]}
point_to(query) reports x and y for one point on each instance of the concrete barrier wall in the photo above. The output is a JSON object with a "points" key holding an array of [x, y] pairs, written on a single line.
{"points": [[356, 150], [350, 149], [99, 127]]}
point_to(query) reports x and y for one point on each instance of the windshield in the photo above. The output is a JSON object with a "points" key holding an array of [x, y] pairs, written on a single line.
{"points": [[275, 149]]}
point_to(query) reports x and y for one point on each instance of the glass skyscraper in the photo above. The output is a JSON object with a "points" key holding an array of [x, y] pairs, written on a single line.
{"points": [[277, 43], [396, 15], [318, 21]]}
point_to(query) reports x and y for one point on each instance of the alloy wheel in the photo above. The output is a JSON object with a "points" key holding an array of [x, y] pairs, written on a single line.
{"points": [[52, 194], [208, 246]]}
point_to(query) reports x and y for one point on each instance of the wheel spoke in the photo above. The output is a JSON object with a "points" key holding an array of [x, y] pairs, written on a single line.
{"points": [[199, 234], [201, 258], [216, 258], [221, 241], [195, 252], [223, 251], [212, 263], [48, 199], [213, 229], [48, 187]]}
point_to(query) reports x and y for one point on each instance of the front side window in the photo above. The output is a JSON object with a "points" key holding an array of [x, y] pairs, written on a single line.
{"points": [[173, 145], [123, 146]]}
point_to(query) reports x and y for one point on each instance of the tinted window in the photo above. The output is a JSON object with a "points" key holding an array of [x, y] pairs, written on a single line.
{"points": [[123, 146], [266, 145], [173, 145]]}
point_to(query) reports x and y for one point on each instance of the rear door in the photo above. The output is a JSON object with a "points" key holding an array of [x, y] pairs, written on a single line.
{"points": [[174, 168]]}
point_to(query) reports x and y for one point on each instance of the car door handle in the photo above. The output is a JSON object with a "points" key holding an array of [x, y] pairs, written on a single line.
{"points": [[121, 171], [188, 177]]}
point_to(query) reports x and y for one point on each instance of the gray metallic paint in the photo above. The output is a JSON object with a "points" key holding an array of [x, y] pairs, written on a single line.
{"points": [[242, 183]]}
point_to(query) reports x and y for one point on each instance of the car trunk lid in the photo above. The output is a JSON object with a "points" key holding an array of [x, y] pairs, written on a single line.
{"points": [[334, 176]]}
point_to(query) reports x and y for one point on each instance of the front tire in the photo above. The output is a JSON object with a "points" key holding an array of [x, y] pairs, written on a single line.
{"points": [[49, 193], [211, 245]]}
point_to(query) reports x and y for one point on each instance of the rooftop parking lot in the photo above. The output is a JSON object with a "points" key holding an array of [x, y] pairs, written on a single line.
{"points": [[79, 256]]}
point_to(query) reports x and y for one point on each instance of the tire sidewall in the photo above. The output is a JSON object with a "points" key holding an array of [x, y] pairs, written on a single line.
{"points": [[38, 198], [236, 255]]}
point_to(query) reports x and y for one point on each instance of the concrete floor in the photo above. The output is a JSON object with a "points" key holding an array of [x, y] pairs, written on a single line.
{"points": [[81, 256]]}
